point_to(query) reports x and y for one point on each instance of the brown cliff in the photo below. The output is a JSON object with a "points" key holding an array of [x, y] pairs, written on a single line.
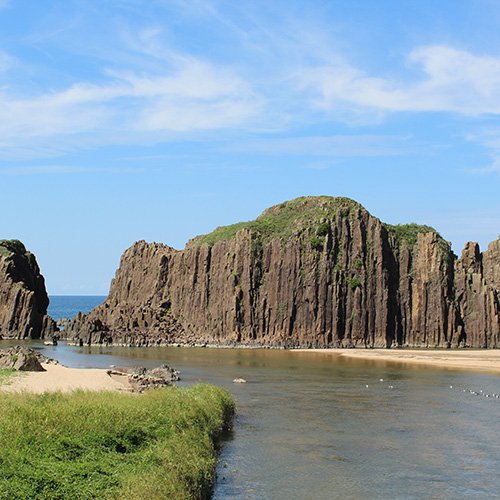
{"points": [[23, 298], [315, 271]]}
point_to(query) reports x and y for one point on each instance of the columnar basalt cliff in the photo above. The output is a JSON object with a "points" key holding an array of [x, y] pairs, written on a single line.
{"points": [[23, 298], [315, 271]]}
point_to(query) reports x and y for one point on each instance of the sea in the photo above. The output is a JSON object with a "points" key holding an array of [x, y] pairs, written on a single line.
{"points": [[314, 426], [68, 306]]}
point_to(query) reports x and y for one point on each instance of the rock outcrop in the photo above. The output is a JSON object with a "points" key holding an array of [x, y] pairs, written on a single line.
{"points": [[313, 272], [23, 298], [23, 359]]}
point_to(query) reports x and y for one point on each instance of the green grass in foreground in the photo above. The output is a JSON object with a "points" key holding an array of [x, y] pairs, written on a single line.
{"points": [[106, 445]]}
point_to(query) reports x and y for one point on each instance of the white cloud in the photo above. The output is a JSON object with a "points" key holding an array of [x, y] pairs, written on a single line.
{"points": [[196, 96], [453, 81]]}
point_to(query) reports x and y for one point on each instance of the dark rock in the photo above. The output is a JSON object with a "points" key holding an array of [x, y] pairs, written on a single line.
{"points": [[63, 323], [141, 378], [23, 298], [23, 359], [313, 272]]}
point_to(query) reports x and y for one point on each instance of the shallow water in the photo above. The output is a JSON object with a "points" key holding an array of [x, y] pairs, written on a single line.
{"points": [[313, 426]]}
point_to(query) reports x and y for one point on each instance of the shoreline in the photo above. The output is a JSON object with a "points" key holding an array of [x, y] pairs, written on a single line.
{"points": [[480, 360], [61, 378]]}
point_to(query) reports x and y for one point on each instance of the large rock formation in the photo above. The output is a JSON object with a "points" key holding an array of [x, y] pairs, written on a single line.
{"points": [[315, 271], [23, 298]]}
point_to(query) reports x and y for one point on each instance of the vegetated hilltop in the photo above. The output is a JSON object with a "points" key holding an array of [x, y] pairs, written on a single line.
{"points": [[314, 271], [23, 298]]}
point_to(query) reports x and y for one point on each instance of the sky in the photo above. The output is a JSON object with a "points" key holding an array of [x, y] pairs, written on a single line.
{"points": [[159, 120]]}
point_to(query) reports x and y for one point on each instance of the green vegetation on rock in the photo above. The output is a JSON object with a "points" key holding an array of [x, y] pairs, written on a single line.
{"points": [[408, 233], [316, 243], [12, 246], [281, 221], [354, 283], [89, 445]]}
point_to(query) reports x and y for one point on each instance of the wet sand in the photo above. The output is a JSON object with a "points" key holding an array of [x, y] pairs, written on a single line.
{"points": [[60, 378], [485, 360]]}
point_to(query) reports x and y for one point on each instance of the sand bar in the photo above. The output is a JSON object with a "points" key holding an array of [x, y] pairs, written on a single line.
{"points": [[485, 360], [60, 378]]}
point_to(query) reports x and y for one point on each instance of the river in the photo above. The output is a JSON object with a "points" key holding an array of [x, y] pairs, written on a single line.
{"points": [[315, 427]]}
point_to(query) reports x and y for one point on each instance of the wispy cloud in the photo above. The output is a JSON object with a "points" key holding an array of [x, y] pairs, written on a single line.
{"points": [[146, 89], [197, 96], [452, 81], [4, 4], [489, 139]]}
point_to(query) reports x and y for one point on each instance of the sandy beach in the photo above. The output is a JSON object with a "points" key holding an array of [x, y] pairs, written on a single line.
{"points": [[61, 378], [487, 360]]}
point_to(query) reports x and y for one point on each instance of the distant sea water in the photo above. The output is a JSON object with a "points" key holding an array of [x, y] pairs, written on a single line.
{"points": [[68, 306]]}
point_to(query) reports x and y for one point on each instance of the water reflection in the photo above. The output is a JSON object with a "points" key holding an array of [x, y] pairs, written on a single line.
{"points": [[311, 426]]}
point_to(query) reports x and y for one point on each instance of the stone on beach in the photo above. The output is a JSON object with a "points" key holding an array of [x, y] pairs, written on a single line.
{"points": [[22, 359]]}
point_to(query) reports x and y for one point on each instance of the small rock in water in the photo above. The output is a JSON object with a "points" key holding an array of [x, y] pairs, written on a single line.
{"points": [[141, 378], [239, 380]]}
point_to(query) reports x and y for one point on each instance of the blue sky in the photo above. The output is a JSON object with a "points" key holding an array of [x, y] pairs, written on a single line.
{"points": [[123, 120]]}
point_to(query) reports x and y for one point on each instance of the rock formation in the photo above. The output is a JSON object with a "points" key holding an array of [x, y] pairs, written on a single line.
{"points": [[23, 359], [23, 298], [315, 271]]}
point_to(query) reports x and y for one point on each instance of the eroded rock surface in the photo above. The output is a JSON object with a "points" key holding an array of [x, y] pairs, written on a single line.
{"points": [[312, 272], [23, 298]]}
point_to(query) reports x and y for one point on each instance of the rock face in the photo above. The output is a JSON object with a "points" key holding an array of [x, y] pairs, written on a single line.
{"points": [[23, 298], [313, 272]]}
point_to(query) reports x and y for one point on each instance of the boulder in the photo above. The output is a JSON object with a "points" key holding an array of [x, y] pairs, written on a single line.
{"points": [[23, 359], [141, 378]]}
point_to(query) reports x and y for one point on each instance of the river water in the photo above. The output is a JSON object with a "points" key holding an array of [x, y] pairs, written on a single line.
{"points": [[313, 426]]}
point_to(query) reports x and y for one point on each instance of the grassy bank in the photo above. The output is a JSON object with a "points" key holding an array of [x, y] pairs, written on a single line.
{"points": [[104, 445]]}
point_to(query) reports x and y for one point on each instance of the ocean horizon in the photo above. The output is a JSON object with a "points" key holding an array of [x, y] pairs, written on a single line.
{"points": [[68, 306]]}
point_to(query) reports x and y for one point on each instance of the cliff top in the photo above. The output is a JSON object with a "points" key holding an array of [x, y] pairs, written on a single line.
{"points": [[408, 233], [283, 219], [9, 247]]}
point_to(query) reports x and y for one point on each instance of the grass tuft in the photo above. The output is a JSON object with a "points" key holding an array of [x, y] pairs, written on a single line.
{"points": [[106, 445]]}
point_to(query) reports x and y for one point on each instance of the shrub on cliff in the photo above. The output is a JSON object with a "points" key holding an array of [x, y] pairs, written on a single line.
{"points": [[111, 445]]}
